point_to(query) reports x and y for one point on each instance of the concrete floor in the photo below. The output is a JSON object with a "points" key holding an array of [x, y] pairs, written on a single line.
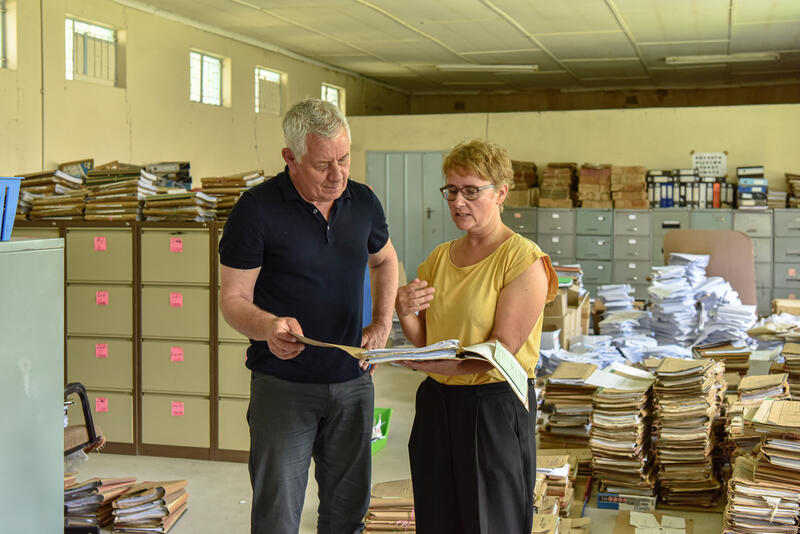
{"points": [[219, 492]]}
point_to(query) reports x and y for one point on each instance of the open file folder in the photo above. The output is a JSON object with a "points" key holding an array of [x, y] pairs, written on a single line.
{"points": [[491, 351]]}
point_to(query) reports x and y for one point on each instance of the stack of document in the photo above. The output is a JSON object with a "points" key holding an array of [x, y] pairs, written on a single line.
{"points": [[674, 312], [150, 506], [740, 439], [391, 507], [549, 360], [620, 438], [558, 476], [568, 401], [635, 347], [688, 395], [172, 173], [88, 504], [735, 356], [116, 192], [539, 493], [228, 189], [791, 356], [599, 347], [695, 265], [181, 206], [757, 506], [756, 389], [51, 195], [616, 297], [626, 323], [726, 323]]}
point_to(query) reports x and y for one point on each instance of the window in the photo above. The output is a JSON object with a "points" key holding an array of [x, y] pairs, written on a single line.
{"points": [[333, 94], [268, 91], [3, 49], [91, 52], [205, 79]]}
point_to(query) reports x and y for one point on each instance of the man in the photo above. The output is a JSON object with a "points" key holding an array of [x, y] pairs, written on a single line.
{"points": [[294, 253]]}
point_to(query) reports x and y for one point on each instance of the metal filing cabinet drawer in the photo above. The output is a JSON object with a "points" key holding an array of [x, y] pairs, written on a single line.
{"points": [[762, 248], [531, 237], [753, 224], [175, 366], [178, 420], [99, 309], [591, 247], [521, 220], [787, 249], [763, 273], [716, 219], [640, 291], [596, 272], [555, 221], [763, 300], [666, 219], [233, 378], [657, 252], [594, 222], [95, 254], [100, 363], [226, 331], [787, 223], [785, 293], [631, 272], [558, 245], [175, 311], [632, 222], [787, 275], [234, 432], [175, 256], [631, 248], [111, 411]]}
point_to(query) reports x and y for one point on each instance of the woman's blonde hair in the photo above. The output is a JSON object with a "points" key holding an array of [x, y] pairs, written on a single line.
{"points": [[482, 158]]}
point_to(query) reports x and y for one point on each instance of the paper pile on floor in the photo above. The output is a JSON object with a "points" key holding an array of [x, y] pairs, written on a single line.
{"points": [[688, 395], [150, 506], [89, 503], [391, 507], [568, 401], [558, 479]]}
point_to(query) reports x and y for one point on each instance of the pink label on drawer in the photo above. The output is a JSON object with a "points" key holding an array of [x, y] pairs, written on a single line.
{"points": [[176, 354], [176, 300], [792, 271], [517, 215], [175, 244], [101, 298], [101, 350], [99, 243], [101, 404], [177, 408]]}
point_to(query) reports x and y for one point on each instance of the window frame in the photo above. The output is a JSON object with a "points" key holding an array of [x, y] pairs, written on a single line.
{"points": [[3, 35], [202, 91], [339, 94], [279, 82], [70, 73]]}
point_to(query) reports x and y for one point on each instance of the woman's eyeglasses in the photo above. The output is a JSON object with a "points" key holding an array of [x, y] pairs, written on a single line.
{"points": [[469, 192]]}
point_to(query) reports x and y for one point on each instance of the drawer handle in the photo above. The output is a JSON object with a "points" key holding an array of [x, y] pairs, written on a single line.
{"points": [[591, 254], [633, 279], [751, 231], [520, 226], [790, 253], [591, 229], [635, 228], [793, 227], [556, 228]]}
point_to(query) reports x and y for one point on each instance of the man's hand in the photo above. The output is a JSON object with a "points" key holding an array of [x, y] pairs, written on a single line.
{"points": [[373, 336], [279, 339]]}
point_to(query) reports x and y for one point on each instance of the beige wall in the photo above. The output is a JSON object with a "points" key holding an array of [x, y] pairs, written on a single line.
{"points": [[656, 138], [151, 118]]}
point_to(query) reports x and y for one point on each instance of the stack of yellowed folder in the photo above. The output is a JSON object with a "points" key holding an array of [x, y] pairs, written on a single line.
{"points": [[735, 356], [759, 506], [559, 478], [754, 389], [391, 508], [228, 189], [150, 506], [568, 402], [740, 439], [89, 503], [791, 355], [689, 394], [622, 458]]}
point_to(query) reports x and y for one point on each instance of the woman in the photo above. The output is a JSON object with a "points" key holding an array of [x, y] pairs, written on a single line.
{"points": [[472, 447]]}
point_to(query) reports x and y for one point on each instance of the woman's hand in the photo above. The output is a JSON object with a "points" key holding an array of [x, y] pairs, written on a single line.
{"points": [[448, 367], [413, 297]]}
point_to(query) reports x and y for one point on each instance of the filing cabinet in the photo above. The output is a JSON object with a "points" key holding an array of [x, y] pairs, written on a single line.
{"points": [[631, 248], [560, 247], [555, 221], [594, 222], [786, 282], [521, 220], [787, 223], [592, 247], [234, 432], [713, 219], [664, 220], [632, 222], [100, 303], [176, 336], [758, 225], [631, 272], [233, 377]]}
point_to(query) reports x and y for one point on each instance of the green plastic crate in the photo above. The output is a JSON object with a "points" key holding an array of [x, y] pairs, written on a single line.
{"points": [[385, 415]]}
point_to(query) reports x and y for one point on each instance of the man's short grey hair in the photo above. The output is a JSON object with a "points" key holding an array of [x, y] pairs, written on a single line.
{"points": [[312, 116]]}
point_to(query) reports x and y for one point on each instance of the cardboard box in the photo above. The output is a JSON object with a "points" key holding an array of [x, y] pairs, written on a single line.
{"points": [[518, 198], [550, 203], [791, 306], [572, 323], [559, 304], [598, 204], [632, 204], [619, 501]]}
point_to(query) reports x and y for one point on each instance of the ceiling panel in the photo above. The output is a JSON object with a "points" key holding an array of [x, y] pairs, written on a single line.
{"points": [[788, 63], [421, 14], [515, 57], [606, 69], [412, 51], [675, 20], [765, 37], [556, 16], [708, 74], [765, 10], [489, 33], [356, 22], [588, 45]]}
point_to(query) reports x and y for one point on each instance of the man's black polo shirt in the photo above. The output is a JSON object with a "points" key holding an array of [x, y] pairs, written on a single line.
{"points": [[311, 269]]}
